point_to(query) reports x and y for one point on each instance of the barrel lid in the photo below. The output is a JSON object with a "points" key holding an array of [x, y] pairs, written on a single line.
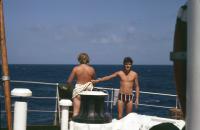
{"points": [[93, 93], [65, 102], [21, 92]]}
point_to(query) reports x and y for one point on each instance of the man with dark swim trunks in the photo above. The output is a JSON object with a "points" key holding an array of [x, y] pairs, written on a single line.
{"points": [[128, 82], [125, 97]]}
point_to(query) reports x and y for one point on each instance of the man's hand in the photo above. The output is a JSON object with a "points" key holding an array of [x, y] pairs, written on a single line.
{"points": [[94, 81], [69, 85]]}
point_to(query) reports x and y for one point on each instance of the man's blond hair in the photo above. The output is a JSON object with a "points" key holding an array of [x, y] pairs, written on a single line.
{"points": [[83, 58]]}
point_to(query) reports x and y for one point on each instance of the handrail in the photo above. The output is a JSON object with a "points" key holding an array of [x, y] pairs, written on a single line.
{"points": [[33, 97], [100, 88], [43, 97], [103, 88], [153, 93], [110, 100], [36, 111], [33, 82], [161, 94], [158, 106]]}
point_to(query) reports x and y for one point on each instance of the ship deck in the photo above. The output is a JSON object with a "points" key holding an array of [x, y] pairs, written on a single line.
{"points": [[42, 127]]}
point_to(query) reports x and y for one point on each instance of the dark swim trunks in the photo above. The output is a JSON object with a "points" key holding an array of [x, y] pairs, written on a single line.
{"points": [[125, 97]]}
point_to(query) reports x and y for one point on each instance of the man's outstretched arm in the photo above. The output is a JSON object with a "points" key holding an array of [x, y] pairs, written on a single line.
{"points": [[105, 78]]}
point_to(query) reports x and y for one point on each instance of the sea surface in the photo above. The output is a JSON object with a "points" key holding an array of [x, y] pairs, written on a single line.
{"points": [[152, 78]]}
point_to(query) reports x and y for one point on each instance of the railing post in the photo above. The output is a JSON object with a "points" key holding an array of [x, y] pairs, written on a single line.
{"points": [[112, 101], [20, 108], [177, 102], [65, 113], [57, 114]]}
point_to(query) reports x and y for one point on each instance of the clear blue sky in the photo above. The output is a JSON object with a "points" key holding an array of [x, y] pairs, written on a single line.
{"points": [[56, 31]]}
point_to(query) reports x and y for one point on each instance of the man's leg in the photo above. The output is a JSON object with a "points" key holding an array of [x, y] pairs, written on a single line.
{"points": [[120, 109], [76, 105], [129, 107]]}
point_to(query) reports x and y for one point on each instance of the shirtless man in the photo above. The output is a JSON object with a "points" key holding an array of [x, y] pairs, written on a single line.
{"points": [[84, 73], [128, 81]]}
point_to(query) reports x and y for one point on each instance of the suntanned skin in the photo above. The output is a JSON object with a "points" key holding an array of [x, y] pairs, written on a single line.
{"points": [[83, 73], [128, 80]]}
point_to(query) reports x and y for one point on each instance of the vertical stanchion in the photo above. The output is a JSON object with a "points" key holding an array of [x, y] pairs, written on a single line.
{"points": [[20, 108], [65, 113], [56, 106]]}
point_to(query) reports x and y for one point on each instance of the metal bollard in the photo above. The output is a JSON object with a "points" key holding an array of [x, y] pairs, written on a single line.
{"points": [[65, 113], [20, 108]]}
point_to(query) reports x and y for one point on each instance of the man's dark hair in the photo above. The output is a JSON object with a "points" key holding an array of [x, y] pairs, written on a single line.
{"points": [[128, 60]]}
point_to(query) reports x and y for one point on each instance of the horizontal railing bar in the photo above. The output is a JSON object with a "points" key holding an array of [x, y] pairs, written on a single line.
{"points": [[36, 111], [100, 88], [33, 97], [153, 93], [162, 94], [42, 111], [105, 88], [43, 97], [33, 82], [155, 106]]}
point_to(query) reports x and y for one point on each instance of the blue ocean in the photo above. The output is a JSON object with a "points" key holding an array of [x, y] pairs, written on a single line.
{"points": [[152, 78]]}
